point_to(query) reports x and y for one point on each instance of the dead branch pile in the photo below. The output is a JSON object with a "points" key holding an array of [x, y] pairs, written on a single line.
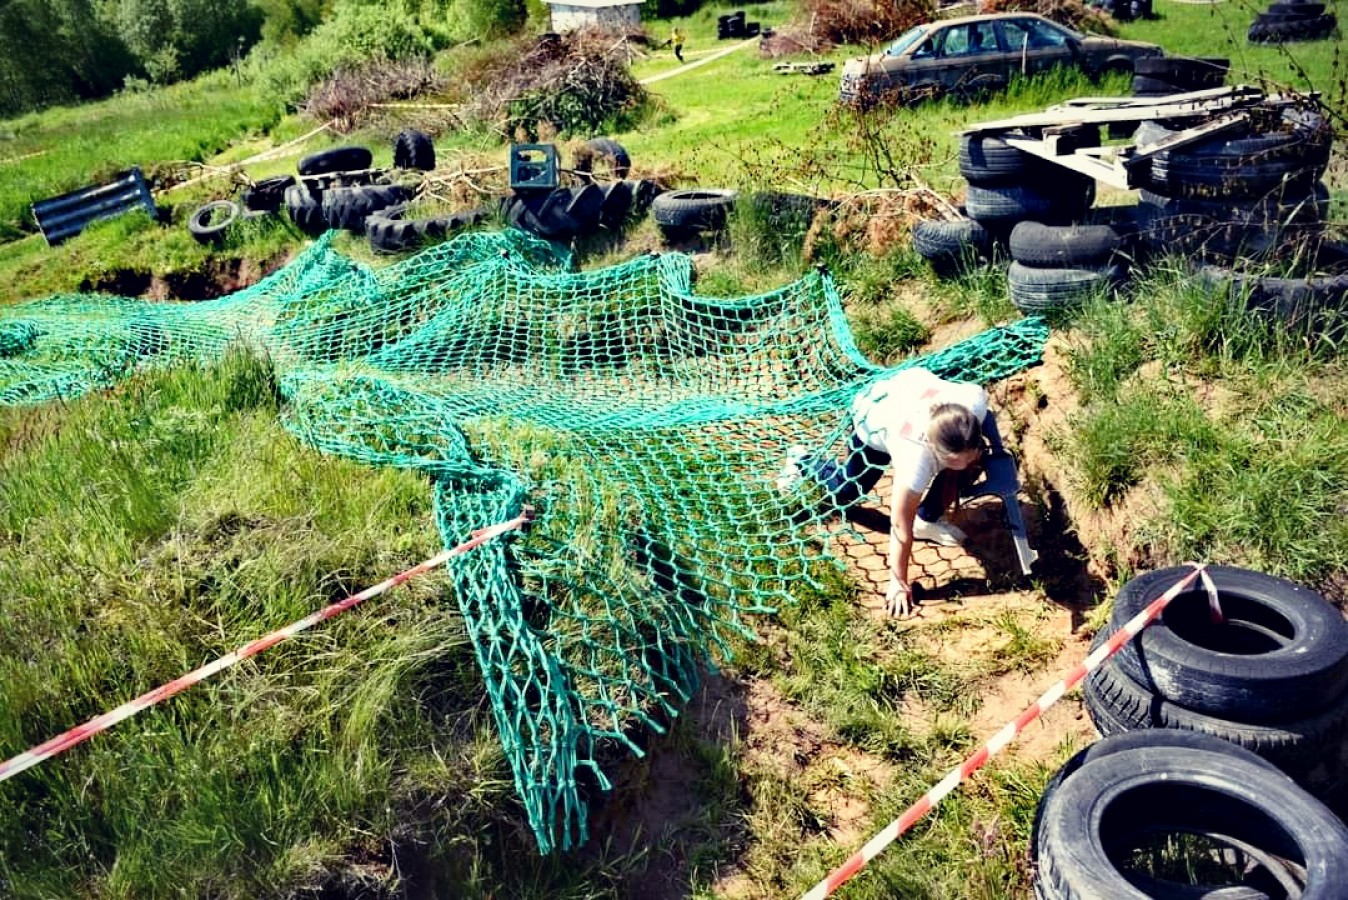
{"points": [[574, 82], [826, 23], [1072, 13], [349, 95]]}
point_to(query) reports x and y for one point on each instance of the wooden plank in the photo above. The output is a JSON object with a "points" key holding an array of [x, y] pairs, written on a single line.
{"points": [[1087, 164], [1188, 135]]}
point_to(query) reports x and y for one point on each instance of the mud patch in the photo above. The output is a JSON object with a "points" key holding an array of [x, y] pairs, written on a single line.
{"points": [[215, 278]]}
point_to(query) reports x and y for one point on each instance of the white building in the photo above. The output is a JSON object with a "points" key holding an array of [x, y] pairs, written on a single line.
{"points": [[612, 15]]}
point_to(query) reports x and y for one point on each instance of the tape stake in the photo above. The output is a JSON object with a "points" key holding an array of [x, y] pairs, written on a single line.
{"points": [[1004, 737], [81, 733]]}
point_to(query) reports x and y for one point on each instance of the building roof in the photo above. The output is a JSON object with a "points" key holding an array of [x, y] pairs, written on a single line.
{"points": [[593, 4]]}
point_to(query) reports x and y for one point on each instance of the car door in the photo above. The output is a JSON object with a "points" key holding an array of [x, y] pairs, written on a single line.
{"points": [[972, 55], [1035, 46], [922, 69]]}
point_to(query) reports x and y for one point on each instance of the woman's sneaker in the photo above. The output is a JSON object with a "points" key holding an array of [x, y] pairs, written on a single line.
{"points": [[942, 532], [791, 475]]}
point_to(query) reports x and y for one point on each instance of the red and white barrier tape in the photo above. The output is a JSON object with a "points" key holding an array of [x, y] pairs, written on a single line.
{"points": [[1001, 739], [81, 733]]}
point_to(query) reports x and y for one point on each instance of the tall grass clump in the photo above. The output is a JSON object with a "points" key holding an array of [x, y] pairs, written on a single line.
{"points": [[146, 531]]}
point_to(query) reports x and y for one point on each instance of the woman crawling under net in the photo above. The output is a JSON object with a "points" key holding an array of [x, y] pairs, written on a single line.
{"points": [[932, 435]]}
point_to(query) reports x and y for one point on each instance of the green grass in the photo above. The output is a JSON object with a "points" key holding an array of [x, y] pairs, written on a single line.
{"points": [[148, 530]]}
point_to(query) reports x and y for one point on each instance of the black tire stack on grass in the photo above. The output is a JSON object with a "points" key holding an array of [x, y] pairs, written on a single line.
{"points": [[1272, 677], [389, 232], [1108, 821], [1292, 21], [349, 207], [732, 26], [1010, 190], [1056, 267], [1159, 76], [569, 212], [1237, 194]]}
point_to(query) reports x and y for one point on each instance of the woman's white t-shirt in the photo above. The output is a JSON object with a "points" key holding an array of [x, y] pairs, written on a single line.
{"points": [[892, 416]]}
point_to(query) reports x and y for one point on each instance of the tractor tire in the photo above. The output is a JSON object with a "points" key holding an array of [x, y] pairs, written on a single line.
{"points": [[336, 159]]}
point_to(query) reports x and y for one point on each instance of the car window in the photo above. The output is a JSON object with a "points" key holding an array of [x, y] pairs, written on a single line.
{"points": [[1016, 33], [906, 40], [928, 48], [1042, 34], [983, 38], [970, 40]]}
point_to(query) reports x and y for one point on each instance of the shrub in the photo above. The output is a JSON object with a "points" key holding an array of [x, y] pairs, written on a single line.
{"points": [[828, 22], [352, 36]]}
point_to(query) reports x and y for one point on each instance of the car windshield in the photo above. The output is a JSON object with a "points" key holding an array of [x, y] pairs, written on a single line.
{"points": [[906, 40]]}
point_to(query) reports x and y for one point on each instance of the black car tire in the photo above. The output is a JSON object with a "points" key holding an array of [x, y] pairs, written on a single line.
{"points": [[952, 247], [1066, 246], [616, 206], [413, 149], [607, 150], [1011, 203], [336, 159], [1118, 799], [204, 225], [1132, 740], [584, 205], [305, 207], [1295, 300], [1310, 750], [348, 207], [1283, 654], [986, 159], [1043, 290], [700, 209], [1269, 30]]}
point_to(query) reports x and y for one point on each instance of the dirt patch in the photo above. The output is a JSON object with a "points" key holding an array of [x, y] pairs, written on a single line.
{"points": [[216, 277]]}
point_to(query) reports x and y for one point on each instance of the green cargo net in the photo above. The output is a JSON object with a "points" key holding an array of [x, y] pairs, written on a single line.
{"points": [[645, 424]]}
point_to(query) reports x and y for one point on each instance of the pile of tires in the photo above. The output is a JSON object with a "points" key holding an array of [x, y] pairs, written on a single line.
{"points": [[1292, 21], [1035, 210], [1236, 194], [1182, 815], [1159, 76], [1128, 10], [733, 26], [1056, 267], [1272, 677], [565, 213]]}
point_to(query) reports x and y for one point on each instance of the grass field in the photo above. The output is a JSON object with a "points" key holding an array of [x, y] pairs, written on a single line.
{"points": [[148, 530]]}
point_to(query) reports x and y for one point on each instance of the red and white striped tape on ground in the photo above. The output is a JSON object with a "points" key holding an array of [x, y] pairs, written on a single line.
{"points": [[81, 733], [1001, 739]]}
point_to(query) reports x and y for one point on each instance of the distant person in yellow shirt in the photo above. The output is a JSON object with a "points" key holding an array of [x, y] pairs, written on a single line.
{"points": [[676, 39]]}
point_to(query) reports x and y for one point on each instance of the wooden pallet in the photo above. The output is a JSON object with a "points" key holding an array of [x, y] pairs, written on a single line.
{"points": [[1052, 134]]}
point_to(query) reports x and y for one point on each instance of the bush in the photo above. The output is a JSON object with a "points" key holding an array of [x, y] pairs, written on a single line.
{"points": [[354, 35]]}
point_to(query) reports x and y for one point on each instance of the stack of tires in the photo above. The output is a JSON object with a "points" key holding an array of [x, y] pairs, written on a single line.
{"points": [[1271, 677], [1292, 21], [1159, 76], [1241, 194], [1185, 816], [1128, 10], [1036, 210], [733, 26], [569, 212]]}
